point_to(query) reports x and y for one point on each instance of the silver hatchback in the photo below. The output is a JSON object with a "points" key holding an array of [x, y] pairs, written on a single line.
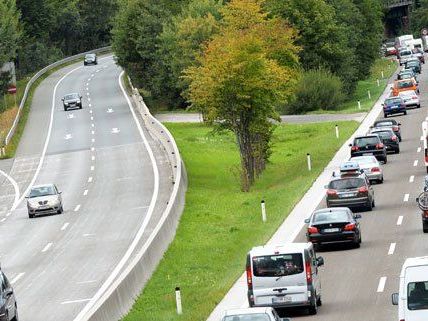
{"points": [[371, 167], [44, 199]]}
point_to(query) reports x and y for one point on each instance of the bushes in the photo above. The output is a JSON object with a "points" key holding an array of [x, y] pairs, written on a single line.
{"points": [[317, 90]]}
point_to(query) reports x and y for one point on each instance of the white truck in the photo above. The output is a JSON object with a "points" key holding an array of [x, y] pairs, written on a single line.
{"points": [[425, 141], [403, 41], [412, 298]]}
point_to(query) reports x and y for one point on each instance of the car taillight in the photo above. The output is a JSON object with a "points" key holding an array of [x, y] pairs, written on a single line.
{"points": [[349, 227], [415, 97], [308, 272], [395, 128], [363, 189], [249, 278], [394, 138], [355, 148], [375, 169], [379, 146], [331, 192], [312, 230], [425, 213]]}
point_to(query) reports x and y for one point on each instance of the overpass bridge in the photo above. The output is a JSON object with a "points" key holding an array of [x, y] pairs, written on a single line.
{"points": [[397, 3]]}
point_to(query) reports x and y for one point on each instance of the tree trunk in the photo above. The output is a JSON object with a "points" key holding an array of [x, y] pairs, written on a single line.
{"points": [[243, 137]]}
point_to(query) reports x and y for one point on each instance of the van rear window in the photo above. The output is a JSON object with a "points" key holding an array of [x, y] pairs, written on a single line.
{"points": [[278, 265], [248, 317], [417, 295]]}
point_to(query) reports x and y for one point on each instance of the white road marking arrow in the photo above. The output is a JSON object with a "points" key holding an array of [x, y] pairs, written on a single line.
{"points": [[110, 110], [115, 131], [70, 116], [68, 136]]}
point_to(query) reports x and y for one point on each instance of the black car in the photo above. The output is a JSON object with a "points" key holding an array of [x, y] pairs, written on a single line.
{"points": [[73, 100], [333, 225], [389, 123], [394, 105], [369, 145], [389, 139], [8, 306], [90, 59]]}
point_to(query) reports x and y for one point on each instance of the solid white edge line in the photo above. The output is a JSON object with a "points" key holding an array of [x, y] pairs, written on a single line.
{"points": [[381, 285], [406, 198], [400, 220], [137, 238], [48, 136], [15, 187], [75, 301], [47, 247], [16, 278], [392, 248]]}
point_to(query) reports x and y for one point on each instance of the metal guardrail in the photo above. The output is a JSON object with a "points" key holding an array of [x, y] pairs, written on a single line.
{"points": [[37, 76]]}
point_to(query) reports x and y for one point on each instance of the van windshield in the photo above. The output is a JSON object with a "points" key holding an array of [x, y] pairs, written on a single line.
{"points": [[248, 317], [278, 265], [417, 295]]}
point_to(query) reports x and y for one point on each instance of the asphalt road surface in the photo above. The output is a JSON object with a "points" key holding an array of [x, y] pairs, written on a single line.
{"points": [[109, 176]]}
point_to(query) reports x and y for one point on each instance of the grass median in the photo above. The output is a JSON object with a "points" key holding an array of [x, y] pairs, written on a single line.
{"points": [[220, 223]]}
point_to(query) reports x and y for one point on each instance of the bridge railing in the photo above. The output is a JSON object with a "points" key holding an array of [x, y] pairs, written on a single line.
{"points": [[397, 3]]}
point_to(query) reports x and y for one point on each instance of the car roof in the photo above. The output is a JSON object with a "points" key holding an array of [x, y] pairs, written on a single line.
{"points": [[385, 121], [356, 158], [281, 248], [366, 136], [343, 176], [332, 209], [72, 94], [247, 311], [414, 261], [385, 129]]}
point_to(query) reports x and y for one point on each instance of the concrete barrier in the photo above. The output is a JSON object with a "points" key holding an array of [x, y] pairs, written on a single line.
{"points": [[118, 298], [37, 76]]}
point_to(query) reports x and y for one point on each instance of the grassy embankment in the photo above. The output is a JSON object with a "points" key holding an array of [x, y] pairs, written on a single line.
{"points": [[220, 223]]}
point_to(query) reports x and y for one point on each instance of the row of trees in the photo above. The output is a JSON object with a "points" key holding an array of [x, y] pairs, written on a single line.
{"points": [[240, 61]]}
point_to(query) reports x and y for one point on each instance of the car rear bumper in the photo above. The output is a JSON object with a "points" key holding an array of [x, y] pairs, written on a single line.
{"points": [[348, 202], [332, 237], [392, 111], [412, 103], [376, 176], [377, 153]]}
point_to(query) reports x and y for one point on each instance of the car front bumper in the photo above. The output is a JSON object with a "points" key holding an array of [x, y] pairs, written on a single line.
{"points": [[44, 210]]}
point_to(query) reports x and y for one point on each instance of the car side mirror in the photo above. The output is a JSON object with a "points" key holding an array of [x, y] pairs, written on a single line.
{"points": [[357, 216], [8, 292], [320, 261], [307, 221], [399, 124], [27, 196], [394, 298], [417, 199], [62, 99], [350, 145], [59, 192]]}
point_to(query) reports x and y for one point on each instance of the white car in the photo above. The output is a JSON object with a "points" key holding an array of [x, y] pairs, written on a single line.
{"points": [[411, 98], [371, 167], [252, 314], [44, 199]]}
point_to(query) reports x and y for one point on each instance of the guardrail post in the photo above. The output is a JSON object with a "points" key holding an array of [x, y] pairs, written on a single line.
{"points": [[178, 301]]}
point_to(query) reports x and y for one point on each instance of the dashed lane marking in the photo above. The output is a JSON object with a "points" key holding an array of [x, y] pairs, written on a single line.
{"points": [[419, 149], [412, 179], [415, 163], [400, 220], [75, 301], [392, 248], [77, 208], [406, 198], [64, 227], [16, 278], [381, 285], [85, 192], [47, 247]]}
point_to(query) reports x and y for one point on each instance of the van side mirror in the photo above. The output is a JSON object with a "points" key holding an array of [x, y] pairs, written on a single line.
{"points": [[320, 261], [357, 216], [307, 221], [8, 292], [394, 298]]}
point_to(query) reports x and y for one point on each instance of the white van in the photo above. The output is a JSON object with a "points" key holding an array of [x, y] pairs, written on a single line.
{"points": [[284, 276], [412, 299]]}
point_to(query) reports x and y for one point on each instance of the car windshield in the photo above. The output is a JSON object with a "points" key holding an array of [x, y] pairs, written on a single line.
{"points": [[417, 295], [248, 317], [277, 265], [405, 53], [405, 84], [393, 101], [364, 160], [384, 124], [90, 56], [334, 216], [42, 191], [346, 183], [384, 133], [71, 96], [364, 141], [406, 74]]}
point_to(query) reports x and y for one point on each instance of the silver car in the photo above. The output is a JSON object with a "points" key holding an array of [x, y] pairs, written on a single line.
{"points": [[44, 199], [371, 167], [411, 98], [73, 100], [252, 314]]}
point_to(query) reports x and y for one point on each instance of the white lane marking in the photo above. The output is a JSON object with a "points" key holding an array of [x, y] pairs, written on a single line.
{"points": [[75, 301], [70, 116], [115, 130], [88, 235], [406, 198], [90, 179], [422, 137], [47, 247], [92, 149], [93, 158], [93, 132], [415, 163], [110, 110], [97, 70], [381, 285], [92, 168], [92, 75], [87, 94], [68, 136], [86, 282], [419, 149], [77, 208], [92, 125], [92, 117], [87, 88], [15, 188], [89, 79], [8, 214], [3, 219], [16, 278], [87, 84], [64, 227], [412, 179], [90, 105], [89, 99], [400, 220], [108, 282], [93, 140], [85, 192], [392, 248]]}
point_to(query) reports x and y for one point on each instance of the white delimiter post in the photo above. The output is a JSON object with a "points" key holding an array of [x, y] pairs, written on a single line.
{"points": [[337, 131], [369, 94], [378, 83], [309, 161], [263, 205], [178, 300], [359, 105]]}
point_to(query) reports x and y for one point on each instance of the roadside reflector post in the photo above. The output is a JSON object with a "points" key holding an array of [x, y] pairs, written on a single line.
{"points": [[359, 105], [337, 131], [178, 300], [378, 82], [383, 75], [263, 205], [309, 161], [369, 94]]}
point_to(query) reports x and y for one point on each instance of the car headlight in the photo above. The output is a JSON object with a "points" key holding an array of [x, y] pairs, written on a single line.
{"points": [[32, 204], [66, 103]]}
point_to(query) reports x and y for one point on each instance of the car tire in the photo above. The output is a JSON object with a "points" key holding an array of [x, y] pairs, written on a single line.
{"points": [[60, 211], [357, 244], [405, 112], [80, 106], [369, 206], [317, 246], [381, 180], [31, 215], [397, 150], [16, 318], [399, 139], [313, 309], [419, 106], [385, 159], [319, 301], [65, 108], [373, 203], [385, 115]]}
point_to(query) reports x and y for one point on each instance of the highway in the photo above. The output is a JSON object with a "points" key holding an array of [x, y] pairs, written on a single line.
{"points": [[357, 283], [114, 182]]}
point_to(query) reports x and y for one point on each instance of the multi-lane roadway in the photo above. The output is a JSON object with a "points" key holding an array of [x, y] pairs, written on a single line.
{"points": [[111, 175]]}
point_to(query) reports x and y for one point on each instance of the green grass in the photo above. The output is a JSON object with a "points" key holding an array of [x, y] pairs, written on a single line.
{"points": [[361, 93], [220, 223]]}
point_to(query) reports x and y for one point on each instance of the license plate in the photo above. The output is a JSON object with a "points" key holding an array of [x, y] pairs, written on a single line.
{"points": [[347, 195], [394, 107], [43, 207], [282, 299], [331, 230], [367, 154]]}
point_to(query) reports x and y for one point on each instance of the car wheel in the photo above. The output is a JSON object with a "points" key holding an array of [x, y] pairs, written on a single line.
{"points": [[31, 215], [399, 138], [405, 112], [369, 206], [397, 150], [360, 239], [385, 115], [65, 108], [381, 180], [317, 246], [419, 106], [313, 309], [319, 301], [60, 211], [80, 106], [357, 244], [373, 203], [16, 318], [385, 159]]}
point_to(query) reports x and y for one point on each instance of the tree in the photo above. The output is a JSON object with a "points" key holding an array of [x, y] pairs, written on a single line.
{"points": [[419, 17], [9, 31], [239, 83]]}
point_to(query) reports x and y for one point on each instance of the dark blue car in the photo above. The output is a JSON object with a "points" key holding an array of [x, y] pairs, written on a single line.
{"points": [[394, 105]]}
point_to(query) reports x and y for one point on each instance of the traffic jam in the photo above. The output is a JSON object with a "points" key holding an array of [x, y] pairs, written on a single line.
{"points": [[288, 275]]}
